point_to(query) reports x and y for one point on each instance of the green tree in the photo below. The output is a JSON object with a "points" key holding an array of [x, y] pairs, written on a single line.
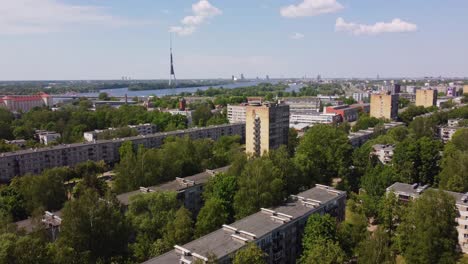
{"points": [[260, 185], [376, 249], [149, 214], [417, 160], [428, 232], [454, 166], [177, 231], [22, 249], [324, 252], [95, 229], [323, 154], [222, 188], [211, 217], [249, 254], [201, 115], [293, 141], [12, 203], [104, 97], [46, 190]]}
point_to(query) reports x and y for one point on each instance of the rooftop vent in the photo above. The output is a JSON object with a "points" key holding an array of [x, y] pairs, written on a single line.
{"points": [[465, 197], [239, 238], [421, 189], [415, 185], [145, 190]]}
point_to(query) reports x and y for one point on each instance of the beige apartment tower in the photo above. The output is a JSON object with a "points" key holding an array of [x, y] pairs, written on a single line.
{"points": [[426, 98], [384, 106], [267, 127], [465, 89]]}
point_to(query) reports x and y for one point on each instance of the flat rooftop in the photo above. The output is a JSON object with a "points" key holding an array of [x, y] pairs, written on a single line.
{"points": [[221, 242], [90, 144], [414, 191], [175, 185]]}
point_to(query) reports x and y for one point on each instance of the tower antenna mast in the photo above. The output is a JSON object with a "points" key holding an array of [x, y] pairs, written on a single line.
{"points": [[172, 77]]}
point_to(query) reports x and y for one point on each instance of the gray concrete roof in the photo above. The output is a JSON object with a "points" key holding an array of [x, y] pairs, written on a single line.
{"points": [[175, 185], [220, 242]]}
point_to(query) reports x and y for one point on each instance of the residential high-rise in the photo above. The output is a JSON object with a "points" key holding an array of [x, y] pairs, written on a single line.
{"points": [[426, 98], [384, 106], [267, 127], [465, 89]]}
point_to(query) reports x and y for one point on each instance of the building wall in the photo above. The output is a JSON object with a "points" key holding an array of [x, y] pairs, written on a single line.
{"points": [[236, 113], [465, 89], [384, 106], [257, 129], [267, 127], [426, 98], [35, 161]]}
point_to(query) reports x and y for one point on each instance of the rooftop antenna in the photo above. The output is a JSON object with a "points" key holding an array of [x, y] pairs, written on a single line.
{"points": [[172, 77]]}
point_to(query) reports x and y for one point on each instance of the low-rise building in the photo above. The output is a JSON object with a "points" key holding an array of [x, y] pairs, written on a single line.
{"points": [[349, 113], [189, 190], [48, 137], [383, 152], [407, 192], [187, 113], [141, 129], [312, 119], [18, 142], [446, 133], [303, 105], [276, 231], [360, 137], [24, 103]]}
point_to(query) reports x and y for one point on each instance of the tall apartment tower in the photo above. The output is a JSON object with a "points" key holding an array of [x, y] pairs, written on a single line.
{"points": [[267, 127], [384, 106], [426, 98]]}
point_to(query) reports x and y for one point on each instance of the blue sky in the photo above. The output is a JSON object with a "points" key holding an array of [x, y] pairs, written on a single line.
{"points": [[107, 39]]}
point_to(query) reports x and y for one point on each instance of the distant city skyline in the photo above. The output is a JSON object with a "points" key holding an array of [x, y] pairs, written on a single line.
{"points": [[103, 39]]}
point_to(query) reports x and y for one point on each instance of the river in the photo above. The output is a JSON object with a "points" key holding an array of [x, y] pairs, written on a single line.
{"points": [[174, 91]]}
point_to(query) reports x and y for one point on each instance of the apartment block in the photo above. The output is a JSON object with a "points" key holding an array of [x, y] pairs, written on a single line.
{"points": [[276, 231], [34, 161], [48, 137], [384, 106], [407, 192], [312, 119], [359, 138], [349, 113], [24, 103], [303, 105], [383, 152], [141, 129], [465, 89], [189, 193], [267, 127], [426, 98], [236, 113], [189, 189]]}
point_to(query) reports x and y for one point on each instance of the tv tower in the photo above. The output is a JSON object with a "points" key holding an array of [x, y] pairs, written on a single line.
{"points": [[172, 77]]}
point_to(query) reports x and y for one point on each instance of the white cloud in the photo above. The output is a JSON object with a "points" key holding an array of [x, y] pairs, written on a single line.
{"points": [[395, 26], [42, 16], [202, 11], [297, 36], [311, 8], [182, 31]]}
